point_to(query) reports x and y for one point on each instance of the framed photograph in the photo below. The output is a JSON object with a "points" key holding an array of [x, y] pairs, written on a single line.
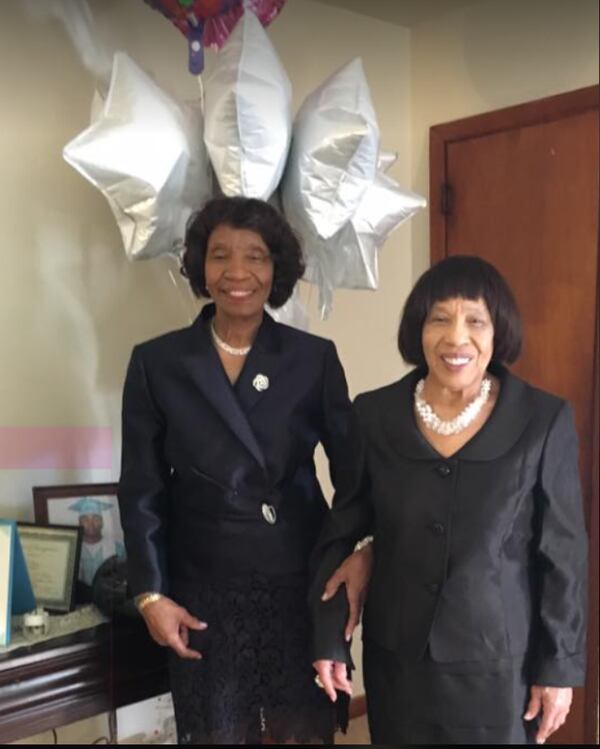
{"points": [[93, 508], [52, 556]]}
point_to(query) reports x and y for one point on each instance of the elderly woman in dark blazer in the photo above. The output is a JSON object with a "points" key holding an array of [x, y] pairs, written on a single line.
{"points": [[467, 478], [219, 498]]}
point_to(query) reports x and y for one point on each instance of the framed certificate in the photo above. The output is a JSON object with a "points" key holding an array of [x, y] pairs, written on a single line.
{"points": [[52, 554]]}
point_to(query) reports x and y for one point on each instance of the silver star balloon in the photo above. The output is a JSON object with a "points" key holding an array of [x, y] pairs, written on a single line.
{"points": [[386, 160], [144, 152], [334, 153], [293, 312], [248, 112], [335, 192], [349, 259]]}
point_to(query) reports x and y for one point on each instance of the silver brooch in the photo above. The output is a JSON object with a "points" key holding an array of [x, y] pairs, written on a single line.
{"points": [[269, 513], [260, 382]]}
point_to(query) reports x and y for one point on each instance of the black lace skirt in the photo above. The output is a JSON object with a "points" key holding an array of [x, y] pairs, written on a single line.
{"points": [[255, 680]]}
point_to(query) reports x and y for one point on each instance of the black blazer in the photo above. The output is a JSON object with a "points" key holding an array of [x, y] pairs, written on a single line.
{"points": [[479, 556], [218, 480]]}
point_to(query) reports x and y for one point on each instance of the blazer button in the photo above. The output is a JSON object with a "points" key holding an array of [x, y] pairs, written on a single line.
{"points": [[269, 513], [444, 470], [433, 588], [438, 529]]}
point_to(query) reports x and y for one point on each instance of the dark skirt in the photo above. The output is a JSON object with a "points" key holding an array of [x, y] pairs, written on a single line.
{"points": [[445, 703], [255, 680]]}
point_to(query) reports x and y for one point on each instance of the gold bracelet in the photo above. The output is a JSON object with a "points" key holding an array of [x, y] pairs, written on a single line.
{"points": [[146, 598]]}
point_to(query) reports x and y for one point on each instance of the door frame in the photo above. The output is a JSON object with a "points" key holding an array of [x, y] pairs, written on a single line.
{"points": [[440, 137]]}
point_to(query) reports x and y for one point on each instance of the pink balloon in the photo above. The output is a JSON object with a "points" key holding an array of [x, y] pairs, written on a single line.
{"points": [[208, 23]]}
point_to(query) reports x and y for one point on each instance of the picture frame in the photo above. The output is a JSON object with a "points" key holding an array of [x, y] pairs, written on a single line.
{"points": [[94, 508], [52, 555], [7, 542]]}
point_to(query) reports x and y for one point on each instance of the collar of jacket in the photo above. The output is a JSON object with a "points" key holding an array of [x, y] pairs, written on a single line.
{"points": [[235, 406], [507, 422]]}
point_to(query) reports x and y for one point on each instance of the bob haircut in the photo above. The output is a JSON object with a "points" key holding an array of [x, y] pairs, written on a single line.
{"points": [[257, 216], [466, 277]]}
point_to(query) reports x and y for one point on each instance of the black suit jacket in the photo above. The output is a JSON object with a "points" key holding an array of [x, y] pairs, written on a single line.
{"points": [[480, 556], [201, 459]]}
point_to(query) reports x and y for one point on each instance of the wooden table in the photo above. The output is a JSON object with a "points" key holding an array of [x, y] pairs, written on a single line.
{"points": [[51, 684]]}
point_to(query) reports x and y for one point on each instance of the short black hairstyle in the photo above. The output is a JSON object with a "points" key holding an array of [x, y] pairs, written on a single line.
{"points": [[245, 213], [467, 277]]}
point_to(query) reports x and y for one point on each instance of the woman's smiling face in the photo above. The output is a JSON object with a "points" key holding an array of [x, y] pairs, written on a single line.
{"points": [[458, 343], [238, 271]]}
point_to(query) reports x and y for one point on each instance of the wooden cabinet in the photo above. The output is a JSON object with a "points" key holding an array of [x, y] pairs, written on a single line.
{"points": [[61, 681]]}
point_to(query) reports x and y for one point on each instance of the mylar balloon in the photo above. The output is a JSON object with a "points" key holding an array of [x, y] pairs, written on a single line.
{"points": [[349, 259], [383, 208], [334, 153], [144, 151], [386, 160], [208, 23], [248, 113], [293, 312]]}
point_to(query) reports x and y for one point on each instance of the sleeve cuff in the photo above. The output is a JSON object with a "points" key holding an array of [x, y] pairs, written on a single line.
{"points": [[328, 634], [560, 672]]}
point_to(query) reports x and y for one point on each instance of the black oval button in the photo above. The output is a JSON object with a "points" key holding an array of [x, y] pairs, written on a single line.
{"points": [[438, 529], [444, 470], [433, 588]]}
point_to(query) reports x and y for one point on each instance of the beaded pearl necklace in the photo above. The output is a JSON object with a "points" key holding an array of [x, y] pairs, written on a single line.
{"points": [[225, 346], [464, 419]]}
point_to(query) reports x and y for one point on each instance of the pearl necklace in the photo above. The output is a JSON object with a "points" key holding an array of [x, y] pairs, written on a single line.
{"points": [[225, 346], [464, 419]]}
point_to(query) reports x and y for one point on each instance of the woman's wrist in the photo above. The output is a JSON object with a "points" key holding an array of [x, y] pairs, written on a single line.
{"points": [[363, 543], [144, 599]]}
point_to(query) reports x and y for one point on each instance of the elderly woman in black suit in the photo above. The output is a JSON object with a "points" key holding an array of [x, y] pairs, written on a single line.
{"points": [[219, 498], [467, 478]]}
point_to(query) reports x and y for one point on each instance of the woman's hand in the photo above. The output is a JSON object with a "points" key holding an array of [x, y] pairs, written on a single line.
{"points": [[554, 704], [332, 675], [355, 574], [169, 625]]}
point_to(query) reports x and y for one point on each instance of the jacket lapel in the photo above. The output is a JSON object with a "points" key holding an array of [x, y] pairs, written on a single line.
{"points": [[259, 374], [511, 415], [206, 370], [399, 425]]}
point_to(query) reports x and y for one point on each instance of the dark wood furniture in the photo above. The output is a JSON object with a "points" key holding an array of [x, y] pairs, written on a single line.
{"points": [[52, 684]]}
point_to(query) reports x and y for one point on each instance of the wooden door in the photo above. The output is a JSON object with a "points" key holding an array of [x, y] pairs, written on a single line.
{"points": [[519, 187]]}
